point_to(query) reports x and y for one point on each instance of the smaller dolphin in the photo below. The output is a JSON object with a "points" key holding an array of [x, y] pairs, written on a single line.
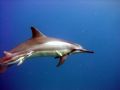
{"points": [[40, 45]]}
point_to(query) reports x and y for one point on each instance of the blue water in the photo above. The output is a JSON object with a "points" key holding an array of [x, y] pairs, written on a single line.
{"points": [[95, 24]]}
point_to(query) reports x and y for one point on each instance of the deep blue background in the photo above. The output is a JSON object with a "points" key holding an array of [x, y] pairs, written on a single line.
{"points": [[95, 24]]}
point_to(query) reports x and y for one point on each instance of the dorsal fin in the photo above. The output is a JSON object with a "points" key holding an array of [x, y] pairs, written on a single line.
{"points": [[36, 33], [8, 54]]}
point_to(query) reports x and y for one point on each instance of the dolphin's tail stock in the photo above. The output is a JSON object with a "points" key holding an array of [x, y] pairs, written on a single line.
{"points": [[3, 67]]}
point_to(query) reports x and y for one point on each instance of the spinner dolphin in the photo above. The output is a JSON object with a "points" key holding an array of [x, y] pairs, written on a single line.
{"points": [[40, 45]]}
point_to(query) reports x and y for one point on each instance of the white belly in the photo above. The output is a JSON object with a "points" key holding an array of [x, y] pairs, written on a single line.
{"points": [[50, 53]]}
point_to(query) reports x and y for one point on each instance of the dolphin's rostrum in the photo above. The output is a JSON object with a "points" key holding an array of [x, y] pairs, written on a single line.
{"points": [[40, 45]]}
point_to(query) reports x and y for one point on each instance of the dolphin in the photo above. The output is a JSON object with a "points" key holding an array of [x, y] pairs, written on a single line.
{"points": [[40, 45]]}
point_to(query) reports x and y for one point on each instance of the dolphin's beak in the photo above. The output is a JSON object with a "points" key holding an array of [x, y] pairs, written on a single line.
{"points": [[86, 51]]}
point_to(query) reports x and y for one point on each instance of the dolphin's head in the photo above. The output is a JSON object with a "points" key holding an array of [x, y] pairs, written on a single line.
{"points": [[79, 49]]}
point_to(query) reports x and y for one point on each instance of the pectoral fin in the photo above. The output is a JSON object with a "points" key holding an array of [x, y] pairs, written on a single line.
{"points": [[61, 61]]}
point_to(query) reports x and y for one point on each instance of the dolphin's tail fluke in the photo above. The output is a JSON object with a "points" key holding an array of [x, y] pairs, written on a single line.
{"points": [[3, 66]]}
